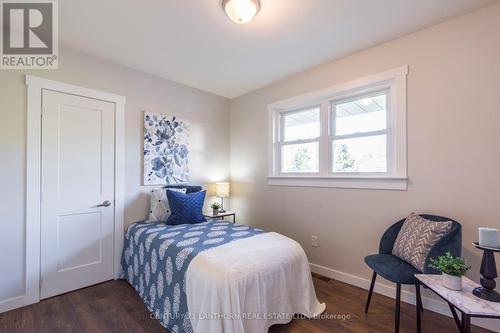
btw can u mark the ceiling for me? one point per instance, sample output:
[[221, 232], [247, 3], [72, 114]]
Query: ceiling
[[193, 42]]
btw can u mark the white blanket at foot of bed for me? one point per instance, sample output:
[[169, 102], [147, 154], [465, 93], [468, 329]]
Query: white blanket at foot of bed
[[250, 284]]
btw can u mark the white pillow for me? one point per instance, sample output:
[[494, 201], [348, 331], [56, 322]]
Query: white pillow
[[160, 210]]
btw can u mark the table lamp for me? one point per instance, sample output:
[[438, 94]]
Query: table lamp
[[222, 191]]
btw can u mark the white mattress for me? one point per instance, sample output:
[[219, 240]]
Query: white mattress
[[250, 284]]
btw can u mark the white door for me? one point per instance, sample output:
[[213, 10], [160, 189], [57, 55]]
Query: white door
[[77, 192]]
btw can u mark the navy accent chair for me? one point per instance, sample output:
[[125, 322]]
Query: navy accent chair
[[400, 272], [189, 188]]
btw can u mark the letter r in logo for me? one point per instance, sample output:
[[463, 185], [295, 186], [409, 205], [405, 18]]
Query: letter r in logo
[[27, 27]]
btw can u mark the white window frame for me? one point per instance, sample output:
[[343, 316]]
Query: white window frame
[[388, 131], [394, 83], [282, 142]]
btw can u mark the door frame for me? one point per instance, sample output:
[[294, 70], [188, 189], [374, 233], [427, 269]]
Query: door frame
[[35, 87]]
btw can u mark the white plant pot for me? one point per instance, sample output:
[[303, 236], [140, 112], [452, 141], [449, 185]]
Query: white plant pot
[[452, 282]]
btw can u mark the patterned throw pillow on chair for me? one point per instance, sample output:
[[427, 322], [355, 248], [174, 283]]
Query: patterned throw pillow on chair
[[160, 209], [416, 238]]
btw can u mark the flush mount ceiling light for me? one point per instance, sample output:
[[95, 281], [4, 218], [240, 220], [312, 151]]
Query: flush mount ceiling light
[[241, 11]]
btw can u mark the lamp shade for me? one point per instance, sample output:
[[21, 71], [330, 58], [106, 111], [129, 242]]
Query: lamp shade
[[222, 190]]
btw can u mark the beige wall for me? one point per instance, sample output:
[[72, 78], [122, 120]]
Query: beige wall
[[453, 150], [453, 146], [208, 114]]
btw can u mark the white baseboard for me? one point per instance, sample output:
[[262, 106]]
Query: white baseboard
[[406, 296], [13, 303]]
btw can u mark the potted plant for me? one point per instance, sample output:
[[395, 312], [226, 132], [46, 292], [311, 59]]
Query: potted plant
[[452, 268], [215, 207]]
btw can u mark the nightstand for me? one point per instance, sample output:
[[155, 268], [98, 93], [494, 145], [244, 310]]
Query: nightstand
[[220, 216]]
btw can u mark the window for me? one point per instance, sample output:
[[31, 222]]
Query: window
[[352, 135], [300, 141], [359, 134]]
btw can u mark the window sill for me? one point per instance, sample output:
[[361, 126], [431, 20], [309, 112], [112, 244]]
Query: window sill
[[357, 182]]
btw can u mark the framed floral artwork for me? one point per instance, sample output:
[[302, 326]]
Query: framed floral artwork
[[166, 150]]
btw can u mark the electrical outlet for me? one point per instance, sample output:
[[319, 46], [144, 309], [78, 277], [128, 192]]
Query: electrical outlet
[[314, 241]]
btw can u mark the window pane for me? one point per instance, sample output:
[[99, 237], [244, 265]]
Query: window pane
[[366, 154], [301, 125], [300, 157], [365, 114]]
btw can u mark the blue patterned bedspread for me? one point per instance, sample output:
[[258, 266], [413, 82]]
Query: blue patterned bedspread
[[156, 257]]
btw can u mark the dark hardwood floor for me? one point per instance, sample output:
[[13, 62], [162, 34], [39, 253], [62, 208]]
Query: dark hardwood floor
[[115, 307]]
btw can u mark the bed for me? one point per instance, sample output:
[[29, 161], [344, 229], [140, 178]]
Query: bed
[[216, 276]]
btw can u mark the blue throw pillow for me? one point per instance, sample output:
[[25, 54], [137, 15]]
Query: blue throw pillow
[[185, 208]]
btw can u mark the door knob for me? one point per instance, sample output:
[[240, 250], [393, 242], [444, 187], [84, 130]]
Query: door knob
[[106, 203]]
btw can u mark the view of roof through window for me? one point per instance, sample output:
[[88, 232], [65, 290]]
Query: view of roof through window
[[302, 125], [366, 114]]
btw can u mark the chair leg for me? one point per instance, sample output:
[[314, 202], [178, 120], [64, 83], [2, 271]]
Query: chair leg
[[398, 307], [419, 297], [370, 292], [419, 309]]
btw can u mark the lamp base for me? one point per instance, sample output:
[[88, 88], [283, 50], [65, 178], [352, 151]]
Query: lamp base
[[222, 210], [487, 294]]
